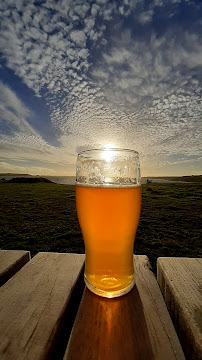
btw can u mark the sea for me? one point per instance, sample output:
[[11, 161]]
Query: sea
[[66, 180], [70, 180]]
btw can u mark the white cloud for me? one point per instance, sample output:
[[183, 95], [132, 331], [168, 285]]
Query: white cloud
[[94, 9], [145, 17], [13, 112], [7, 167], [81, 10], [78, 37], [33, 149], [125, 89], [150, 68], [89, 22]]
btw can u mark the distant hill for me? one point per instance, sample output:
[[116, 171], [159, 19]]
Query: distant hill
[[13, 174], [29, 180], [191, 178]]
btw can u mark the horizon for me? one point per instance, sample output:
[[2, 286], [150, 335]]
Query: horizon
[[80, 75], [42, 175]]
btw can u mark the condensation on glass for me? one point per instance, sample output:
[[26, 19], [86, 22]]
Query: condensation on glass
[[115, 167]]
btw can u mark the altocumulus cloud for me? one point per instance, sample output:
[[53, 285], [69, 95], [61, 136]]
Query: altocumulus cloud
[[126, 73], [13, 111]]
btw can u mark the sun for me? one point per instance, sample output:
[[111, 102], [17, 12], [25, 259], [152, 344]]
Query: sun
[[108, 152], [108, 146]]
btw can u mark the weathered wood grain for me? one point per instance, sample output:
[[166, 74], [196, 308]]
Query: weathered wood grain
[[134, 326], [10, 262], [34, 303], [180, 280]]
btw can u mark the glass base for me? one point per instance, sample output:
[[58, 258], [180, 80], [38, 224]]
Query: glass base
[[109, 294]]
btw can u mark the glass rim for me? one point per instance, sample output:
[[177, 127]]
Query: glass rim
[[86, 152]]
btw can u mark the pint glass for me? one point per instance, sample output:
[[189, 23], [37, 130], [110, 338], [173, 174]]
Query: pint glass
[[108, 201]]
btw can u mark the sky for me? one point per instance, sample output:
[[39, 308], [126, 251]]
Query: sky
[[77, 75]]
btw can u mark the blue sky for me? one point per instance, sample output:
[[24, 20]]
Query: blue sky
[[79, 74]]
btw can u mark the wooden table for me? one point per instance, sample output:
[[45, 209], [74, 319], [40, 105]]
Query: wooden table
[[180, 280], [10, 262], [47, 313]]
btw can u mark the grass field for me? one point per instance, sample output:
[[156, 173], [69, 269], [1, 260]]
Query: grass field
[[42, 217]]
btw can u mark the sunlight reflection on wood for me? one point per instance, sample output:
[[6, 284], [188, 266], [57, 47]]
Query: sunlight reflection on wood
[[117, 330]]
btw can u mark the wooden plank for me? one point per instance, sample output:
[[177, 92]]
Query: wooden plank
[[34, 305], [10, 262], [165, 343], [134, 326], [180, 280]]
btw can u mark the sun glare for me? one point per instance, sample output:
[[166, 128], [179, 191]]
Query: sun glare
[[108, 154], [108, 146]]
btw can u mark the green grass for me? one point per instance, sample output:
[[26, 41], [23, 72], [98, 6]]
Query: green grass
[[171, 221], [42, 217], [39, 217]]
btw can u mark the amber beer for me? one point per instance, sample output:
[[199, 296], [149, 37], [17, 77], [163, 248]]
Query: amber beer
[[108, 217]]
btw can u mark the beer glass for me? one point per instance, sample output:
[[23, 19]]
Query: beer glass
[[108, 201]]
